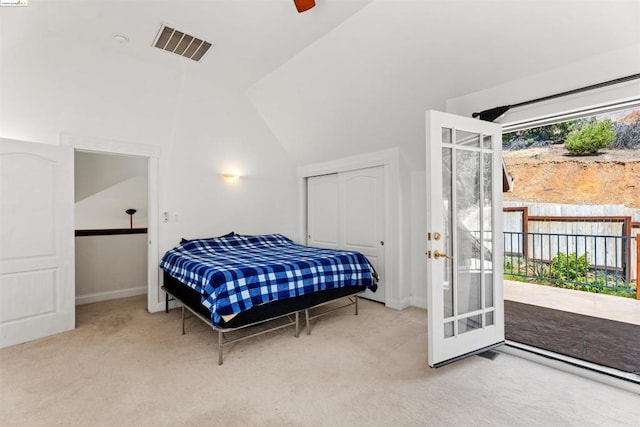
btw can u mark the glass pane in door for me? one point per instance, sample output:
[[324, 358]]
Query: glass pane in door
[[487, 141], [469, 139], [487, 235], [488, 318], [468, 234], [447, 185], [446, 135], [448, 329], [469, 324]]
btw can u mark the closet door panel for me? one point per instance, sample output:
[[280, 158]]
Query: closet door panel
[[322, 211], [360, 215], [362, 222], [346, 211]]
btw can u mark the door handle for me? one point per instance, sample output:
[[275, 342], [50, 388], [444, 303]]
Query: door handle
[[437, 254]]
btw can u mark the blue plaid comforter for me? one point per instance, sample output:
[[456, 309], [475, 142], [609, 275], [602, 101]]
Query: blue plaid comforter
[[236, 273]]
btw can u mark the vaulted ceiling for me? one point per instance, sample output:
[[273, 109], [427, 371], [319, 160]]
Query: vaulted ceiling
[[345, 77], [251, 37]]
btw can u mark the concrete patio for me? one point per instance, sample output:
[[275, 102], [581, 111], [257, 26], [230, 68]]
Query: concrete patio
[[586, 303]]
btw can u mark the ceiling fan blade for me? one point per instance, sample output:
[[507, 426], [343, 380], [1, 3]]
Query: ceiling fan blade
[[304, 5]]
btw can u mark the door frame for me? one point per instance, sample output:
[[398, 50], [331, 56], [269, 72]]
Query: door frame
[[152, 153], [390, 160]]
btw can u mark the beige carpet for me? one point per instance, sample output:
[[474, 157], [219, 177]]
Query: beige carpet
[[123, 366]]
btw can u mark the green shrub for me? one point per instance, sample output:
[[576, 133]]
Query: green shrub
[[570, 267], [591, 137]]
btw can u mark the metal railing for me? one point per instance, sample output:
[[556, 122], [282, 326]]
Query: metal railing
[[577, 260]]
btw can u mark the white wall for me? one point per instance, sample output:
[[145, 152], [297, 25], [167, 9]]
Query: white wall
[[106, 209], [109, 267], [219, 131], [418, 239], [105, 187], [95, 172], [595, 69], [201, 129]]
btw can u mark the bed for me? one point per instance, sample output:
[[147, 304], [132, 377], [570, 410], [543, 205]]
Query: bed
[[235, 281]]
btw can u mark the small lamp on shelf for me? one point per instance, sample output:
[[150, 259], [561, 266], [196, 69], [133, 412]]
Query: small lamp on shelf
[[130, 212]]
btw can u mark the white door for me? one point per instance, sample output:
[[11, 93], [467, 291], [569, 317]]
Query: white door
[[362, 219], [322, 211], [345, 210], [37, 292], [464, 229]]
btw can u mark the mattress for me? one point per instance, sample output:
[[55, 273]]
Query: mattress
[[258, 313], [233, 274]]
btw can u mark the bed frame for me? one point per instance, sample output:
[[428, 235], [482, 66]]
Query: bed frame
[[289, 309]]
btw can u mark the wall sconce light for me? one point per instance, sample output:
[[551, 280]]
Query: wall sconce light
[[230, 178]]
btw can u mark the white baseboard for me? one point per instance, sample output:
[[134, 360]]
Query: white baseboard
[[109, 295], [398, 304], [419, 302], [156, 308], [405, 302]]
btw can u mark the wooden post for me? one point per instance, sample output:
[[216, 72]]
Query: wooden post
[[525, 231], [524, 210], [626, 249]]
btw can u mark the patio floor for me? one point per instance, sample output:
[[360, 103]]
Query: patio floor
[[601, 329], [587, 303]]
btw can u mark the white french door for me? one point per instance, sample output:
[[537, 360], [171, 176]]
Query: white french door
[[464, 236], [37, 291]]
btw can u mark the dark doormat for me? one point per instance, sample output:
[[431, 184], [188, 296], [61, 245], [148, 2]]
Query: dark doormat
[[605, 342]]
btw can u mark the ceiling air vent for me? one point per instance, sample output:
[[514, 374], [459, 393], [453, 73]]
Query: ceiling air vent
[[182, 44]]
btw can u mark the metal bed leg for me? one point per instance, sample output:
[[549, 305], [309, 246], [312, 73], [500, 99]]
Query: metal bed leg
[[166, 302], [297, 324], [183, 320], [306, 314], [356, 305], [219, 348]]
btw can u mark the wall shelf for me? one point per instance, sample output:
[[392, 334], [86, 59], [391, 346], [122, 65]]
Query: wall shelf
[[110, 231]]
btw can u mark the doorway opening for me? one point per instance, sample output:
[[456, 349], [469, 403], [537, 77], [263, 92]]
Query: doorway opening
[[151, 156], [571, 238], [111, 219]]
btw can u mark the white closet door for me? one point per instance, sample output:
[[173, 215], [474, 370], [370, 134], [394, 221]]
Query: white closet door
[[37, 292], [346, 211], [362, 222], [322, 211]]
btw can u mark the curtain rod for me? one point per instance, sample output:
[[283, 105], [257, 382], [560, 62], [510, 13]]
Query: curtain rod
[[494, 113]]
